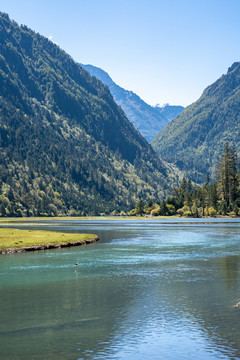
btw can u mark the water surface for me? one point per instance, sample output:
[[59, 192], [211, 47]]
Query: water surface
[[148, 290]]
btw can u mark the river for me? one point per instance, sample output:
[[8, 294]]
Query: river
[[150, 289]]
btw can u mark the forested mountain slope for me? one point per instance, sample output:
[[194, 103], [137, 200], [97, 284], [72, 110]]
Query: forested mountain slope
[[196, 138], [148, 120], [66, 147]]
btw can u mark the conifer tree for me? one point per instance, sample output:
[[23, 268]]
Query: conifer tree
[[233, 178], [223, 179], [140, 207], [227, 184]]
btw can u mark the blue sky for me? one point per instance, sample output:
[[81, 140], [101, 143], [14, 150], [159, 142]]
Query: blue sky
[[165, 51]]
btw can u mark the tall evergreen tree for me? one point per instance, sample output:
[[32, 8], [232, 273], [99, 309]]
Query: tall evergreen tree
[[223, 179], [227, 183], [140, 207], [233, 177]]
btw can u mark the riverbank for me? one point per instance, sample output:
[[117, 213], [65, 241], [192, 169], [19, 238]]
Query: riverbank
[[15, 240], [44, 220]]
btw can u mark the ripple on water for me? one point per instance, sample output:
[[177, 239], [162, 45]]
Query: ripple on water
[[147, 290]]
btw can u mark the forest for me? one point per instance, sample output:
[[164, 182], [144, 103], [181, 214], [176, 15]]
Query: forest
[[66, 147], [203, 128], [218, 198]]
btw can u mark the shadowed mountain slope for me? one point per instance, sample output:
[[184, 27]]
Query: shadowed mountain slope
[[66, 147]]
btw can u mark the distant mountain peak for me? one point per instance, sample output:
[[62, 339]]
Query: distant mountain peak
[[148, 120], [162, 106], [234, 66]]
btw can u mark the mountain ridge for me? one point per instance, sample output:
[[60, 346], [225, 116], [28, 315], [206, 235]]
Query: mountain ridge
[[66, 147], [196, 138], [148, 120]]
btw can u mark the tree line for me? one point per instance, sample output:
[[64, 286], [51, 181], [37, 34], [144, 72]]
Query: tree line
[[66, 148], [221, 197]]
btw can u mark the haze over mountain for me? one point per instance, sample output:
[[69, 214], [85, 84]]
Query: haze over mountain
[[66, 147], [196, 138], [148, 120]]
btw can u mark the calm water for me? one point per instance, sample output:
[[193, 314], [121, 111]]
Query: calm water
[[149, 290]]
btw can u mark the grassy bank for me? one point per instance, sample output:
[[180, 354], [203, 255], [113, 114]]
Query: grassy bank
[[16, 240], [19, 220], [45, 218]]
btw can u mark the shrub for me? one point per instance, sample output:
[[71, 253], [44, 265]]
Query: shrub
[[156, 212], [171, 209], [187, 213], [212, 211]]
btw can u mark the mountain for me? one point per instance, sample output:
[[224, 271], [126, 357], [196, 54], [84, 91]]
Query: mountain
[[169, 112], [196, 138], [66, 147], [148, 120]]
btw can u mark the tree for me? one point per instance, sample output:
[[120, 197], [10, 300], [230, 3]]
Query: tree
[[233, 178], [227, 183], [140, 207], [163, 208]]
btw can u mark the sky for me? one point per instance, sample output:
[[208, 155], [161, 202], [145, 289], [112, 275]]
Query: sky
[[166, 51]]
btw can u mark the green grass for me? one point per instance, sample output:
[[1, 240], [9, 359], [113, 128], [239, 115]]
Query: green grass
[[15, 238], [44, 218], [108, 217]]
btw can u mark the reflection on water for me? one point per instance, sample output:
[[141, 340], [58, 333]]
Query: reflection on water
[[147, 290]]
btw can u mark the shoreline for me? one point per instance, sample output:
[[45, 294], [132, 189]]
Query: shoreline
[[20, 240], [15, 220], [48, 246]]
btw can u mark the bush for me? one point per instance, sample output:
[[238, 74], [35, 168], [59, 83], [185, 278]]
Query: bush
[[132, 212], [187, 213], [212, 211], [156, 212], [171, 209], [184, 211]]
